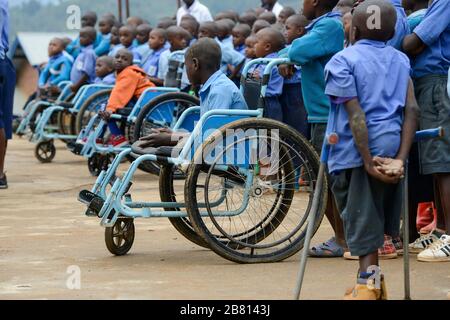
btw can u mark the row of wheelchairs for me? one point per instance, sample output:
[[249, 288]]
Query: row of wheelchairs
[[232, 187]]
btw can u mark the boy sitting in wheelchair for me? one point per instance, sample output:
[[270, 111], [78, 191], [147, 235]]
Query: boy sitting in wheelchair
[[203, 61], [131, 82]]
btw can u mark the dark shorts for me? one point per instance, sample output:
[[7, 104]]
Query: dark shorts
[[7, 86], [318, 132], [294, 112], [434, 103], [273, 108], [369, 209]]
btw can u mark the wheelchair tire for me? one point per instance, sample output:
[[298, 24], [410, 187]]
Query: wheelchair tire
[[167, 194], [277, 231], [142, 126], [66, 123], [99, 162], [120, 238], [88, 109], [45, 151]]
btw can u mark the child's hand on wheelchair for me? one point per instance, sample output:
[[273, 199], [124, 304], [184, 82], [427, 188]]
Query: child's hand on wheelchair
[[105, 115], [390, 167], [159, 137], [286, 71]]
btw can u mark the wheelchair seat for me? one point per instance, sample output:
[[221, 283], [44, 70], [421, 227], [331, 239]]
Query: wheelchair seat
[[124, 111]]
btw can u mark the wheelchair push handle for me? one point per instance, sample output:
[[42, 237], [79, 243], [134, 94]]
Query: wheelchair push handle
[[429, 134]]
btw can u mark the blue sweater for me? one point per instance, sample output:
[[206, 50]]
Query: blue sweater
[[57, 70]]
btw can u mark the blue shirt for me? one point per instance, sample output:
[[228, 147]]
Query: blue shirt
[[133, 49], [434, 30], [109, 79], [4, 28], [324, 38], [84, 64], [401, 26], [57, 69], [241, 49], [219, 92], [378, 75], [150, 62], [143, 50], [415, 18], [104, 45], [74, 48], [229, 56], [275, 86]]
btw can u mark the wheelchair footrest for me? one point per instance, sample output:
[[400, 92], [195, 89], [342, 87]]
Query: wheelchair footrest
[[75, 147]]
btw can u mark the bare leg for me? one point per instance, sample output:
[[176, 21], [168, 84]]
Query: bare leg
[[334, 218], [3, 144], [367, 261], [443, 188]]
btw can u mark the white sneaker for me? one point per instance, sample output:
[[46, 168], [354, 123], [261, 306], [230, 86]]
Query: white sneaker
[[424, 242], [439, 251]]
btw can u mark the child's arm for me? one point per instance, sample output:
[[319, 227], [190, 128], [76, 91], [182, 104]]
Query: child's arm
[[158, 82], [76, 86], [64, 75], [357, 121], [43, 77], [123, 91]]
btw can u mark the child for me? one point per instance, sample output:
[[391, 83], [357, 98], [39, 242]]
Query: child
[[134, 22], [150, 63], [142, 36], [58, 67], [270, 17], [401, 27], [250, 48], [178, 39], [131, 82], [240, 33], [224, 29], [115, 37], [190, 24], [325, 37], [105, 26], [83, 70], [105, 71], [369, 83], [285, 14], [89, 19], [293, 108], [248, 18], [127, 35], [268, 42], [347, 20], [259, 25], [203, 61], [418, 8]]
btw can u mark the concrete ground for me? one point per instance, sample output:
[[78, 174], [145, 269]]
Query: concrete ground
[[45, 239]]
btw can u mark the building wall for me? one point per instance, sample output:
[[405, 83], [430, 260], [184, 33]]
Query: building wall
[[27, 79]]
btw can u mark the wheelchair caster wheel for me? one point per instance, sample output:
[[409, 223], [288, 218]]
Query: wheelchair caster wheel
[[45, 151], [120, 237], [99, 162]]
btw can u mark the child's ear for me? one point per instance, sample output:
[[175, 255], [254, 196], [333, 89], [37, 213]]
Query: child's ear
[[196, 63], [315, 3]]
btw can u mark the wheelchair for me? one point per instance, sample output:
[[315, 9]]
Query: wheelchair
[[238, 198]]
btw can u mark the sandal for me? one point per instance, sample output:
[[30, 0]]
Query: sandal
[[328, 249]]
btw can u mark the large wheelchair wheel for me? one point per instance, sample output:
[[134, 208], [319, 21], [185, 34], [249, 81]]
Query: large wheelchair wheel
[[168, 194], [90, 108], [162, 111], [243, 186], [66, 123]]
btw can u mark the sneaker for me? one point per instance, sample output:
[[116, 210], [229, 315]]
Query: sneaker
[[367, 291], [386, 252], [3, 182], [439, 251], [424, 242], [398, 244], [118, 141]]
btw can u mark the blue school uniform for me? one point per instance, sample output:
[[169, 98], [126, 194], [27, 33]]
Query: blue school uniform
[[401, 26], [136, 56], [324, 38], [219, 92], [57, 70], [241, 49], [274, 89], [84, 64], [150, 62], [143, 50], [229, 56], [109, 79], [434, 31], [104, 45], [415, 18], [378, 75], [228, 41], [74, 48]]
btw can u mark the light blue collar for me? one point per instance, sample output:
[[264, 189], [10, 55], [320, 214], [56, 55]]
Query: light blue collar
[[210, 81], [373, 43]]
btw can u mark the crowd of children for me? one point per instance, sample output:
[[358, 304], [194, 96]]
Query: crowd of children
[[349, 78]]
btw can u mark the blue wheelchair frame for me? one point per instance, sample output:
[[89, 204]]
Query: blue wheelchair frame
[[213, 119]]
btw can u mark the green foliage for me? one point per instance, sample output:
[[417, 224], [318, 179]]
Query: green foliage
[[32, 15]]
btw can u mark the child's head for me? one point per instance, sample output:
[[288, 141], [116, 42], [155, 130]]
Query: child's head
[[240, 33], [143, 33], [166, 23], [295, 27], [157, 39], [55, 47], [268, 40], [178, 38], [347, 20], [248, 18], [345, 6], [312, 9], [104, 65], [259, 25], [190, 24], [105, 24], [115, 37], [89, 19], [250, 47], [270, 17], [122, 60], [66, 41], [135, 21], [224, 28], [285, 14], [361, 29], [87, 36], [202, 59], [207, 30], [127, 35]]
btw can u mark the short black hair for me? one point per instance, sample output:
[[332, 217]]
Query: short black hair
[[166, 23], [274, 36], [208, 53], [388, 15], [298, 20], [244, 29], [259, 25], [176, 31], [109, 61], [162, 32], [90, 31], [270, 17], [211, 25]]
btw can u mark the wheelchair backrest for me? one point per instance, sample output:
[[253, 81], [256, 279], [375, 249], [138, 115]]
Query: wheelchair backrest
[[175, 70], [147, 96], [252, 93], [86, 91]]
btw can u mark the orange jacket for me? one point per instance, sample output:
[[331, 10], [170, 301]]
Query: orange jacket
[[131, 82]]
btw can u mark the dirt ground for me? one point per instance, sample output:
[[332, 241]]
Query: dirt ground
[[44, 234]]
